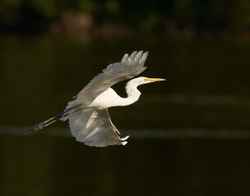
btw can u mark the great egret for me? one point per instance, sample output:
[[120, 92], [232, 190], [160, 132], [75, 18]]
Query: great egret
[[88, 114]]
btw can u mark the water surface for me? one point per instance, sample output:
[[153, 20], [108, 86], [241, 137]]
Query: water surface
[[189, 135], [42, 165]]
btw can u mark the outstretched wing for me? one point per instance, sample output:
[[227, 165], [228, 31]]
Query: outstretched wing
[[129, 67], [94, 127]]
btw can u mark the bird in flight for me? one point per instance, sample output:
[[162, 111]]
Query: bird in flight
[[88, 114]]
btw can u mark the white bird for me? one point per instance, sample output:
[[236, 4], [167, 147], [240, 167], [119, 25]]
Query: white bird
[[88, 114]]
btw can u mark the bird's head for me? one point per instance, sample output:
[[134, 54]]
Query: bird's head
[[146, 80]]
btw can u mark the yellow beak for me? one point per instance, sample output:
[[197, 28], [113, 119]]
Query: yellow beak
[[154, 79]]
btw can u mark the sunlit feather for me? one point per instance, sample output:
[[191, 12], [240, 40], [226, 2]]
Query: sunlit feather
[[88, 114]]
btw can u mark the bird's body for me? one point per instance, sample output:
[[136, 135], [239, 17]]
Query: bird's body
[[110, 98], [88, 114]]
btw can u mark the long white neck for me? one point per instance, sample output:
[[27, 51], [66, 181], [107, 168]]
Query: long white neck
[[110, 98], [132, 92]]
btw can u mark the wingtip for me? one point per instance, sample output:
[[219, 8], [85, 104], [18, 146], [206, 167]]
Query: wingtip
[[124, 142], [124, 58], [125, 138], [139, 54], [132, 56], [145, 55]]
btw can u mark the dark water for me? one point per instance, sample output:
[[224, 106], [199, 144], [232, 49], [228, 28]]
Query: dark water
[[41, 165], [207, 81], [202, 112]]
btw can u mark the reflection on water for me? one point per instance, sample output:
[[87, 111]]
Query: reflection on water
[[140, 134], [41, 165]]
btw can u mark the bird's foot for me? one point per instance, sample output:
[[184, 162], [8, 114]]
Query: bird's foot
[[36, 127]]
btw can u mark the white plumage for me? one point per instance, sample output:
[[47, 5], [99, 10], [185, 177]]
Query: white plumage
[[88, 114]]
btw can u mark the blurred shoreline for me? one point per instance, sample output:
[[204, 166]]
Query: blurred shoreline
[[138, 134], [81, 25]]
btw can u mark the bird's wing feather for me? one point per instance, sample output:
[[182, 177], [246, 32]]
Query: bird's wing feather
[[129, 67], [94, 127]]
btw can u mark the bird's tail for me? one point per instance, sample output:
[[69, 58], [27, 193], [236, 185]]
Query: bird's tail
[[46, 123]]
